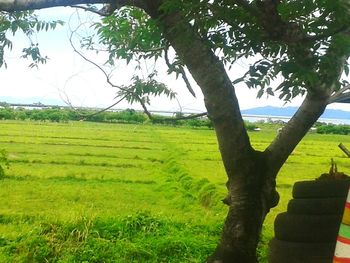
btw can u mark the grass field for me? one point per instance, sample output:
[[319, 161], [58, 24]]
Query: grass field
[[90, 192]]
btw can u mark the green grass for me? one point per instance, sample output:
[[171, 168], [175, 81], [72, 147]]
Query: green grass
[[93, 192]]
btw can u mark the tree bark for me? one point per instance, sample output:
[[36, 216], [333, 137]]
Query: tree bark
[[251, 193], [248, 207]]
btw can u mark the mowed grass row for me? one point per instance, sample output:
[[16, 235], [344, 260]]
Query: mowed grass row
[[128, 193]]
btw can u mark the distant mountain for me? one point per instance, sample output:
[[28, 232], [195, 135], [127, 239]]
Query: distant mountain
[[289, 111]]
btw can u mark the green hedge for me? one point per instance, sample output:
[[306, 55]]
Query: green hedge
[[57, 114], [333, 129]]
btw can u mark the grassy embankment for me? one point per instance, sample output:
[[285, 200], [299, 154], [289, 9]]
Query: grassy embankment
[[94, 192]]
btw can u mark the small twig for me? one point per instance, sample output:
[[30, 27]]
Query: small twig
[[185, 79], [139, 99], [67, 101], [103, 110], [181, 69], [155, 49]]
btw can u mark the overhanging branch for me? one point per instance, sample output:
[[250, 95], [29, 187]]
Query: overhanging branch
[[22, 5]]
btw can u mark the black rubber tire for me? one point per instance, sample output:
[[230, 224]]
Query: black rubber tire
[[321, 188], [307, 228], [321, 206], [297, 252]]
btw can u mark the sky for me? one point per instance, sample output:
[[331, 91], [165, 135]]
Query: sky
[[66, 76]]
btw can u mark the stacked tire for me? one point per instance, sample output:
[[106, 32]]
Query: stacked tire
[[307, 232]]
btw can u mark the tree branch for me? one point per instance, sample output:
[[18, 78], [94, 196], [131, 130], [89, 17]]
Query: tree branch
[[189, 117], [296, 128], [247, 6], [325, 35], [107, 9], [308, 113], [138, 98], [85, 116], [339, 94], [219, 94], [22, 5], [181, 69]]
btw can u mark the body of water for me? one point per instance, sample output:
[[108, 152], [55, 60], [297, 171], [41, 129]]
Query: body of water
[[257, 118]]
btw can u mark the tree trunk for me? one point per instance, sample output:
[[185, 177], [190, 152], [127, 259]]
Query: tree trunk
[[251, 192], [251, 195], [240, 234]]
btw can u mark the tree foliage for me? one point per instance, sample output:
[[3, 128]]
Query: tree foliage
[[130, 35], [304, 43], [28, 23], [140, 90]]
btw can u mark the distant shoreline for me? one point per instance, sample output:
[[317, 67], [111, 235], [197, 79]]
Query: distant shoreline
[[256, 118]]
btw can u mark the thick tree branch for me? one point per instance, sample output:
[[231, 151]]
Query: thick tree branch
[[22, 5], [296, 128], [267, 15], [266, 12], [326, 35], [308, 113], [220, 99], [339, 94]]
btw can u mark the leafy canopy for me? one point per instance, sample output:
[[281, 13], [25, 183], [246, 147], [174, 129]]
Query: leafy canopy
[[301, 41]]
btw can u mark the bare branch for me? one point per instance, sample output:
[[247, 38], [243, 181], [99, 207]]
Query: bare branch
[[182, 71], [188, 85], [138, 98], [85, 116], [189, 117], [105, 109]]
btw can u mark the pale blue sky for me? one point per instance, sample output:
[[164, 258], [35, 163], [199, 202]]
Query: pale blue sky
[[66, 74]]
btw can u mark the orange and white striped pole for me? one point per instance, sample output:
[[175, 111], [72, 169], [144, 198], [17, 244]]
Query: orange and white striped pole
[[342, 249]]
